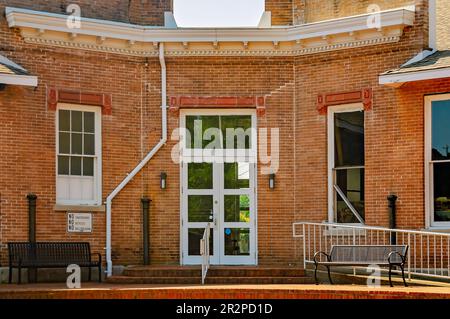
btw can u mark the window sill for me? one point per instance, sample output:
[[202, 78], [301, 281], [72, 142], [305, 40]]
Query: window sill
[[79, 208]]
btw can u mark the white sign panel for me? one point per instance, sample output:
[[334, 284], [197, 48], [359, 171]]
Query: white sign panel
[[79, 222]]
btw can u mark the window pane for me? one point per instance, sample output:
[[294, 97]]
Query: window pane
[[200, 175], [237, 208], [75, 166], [236, 133], [63, 165], [77, 121], [197, 126], [349, 139], [77, 144], [64, 120], [351, 182], [194, 237], [89, 122], [441, 192], [89, 144], [237, 175], [88, 166], [237, 241], [64, 143], [441, 130], [200, 208]]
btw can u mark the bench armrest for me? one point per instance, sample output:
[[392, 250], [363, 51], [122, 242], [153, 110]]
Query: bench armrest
[[398, 254], [99, 258], [317, 255]]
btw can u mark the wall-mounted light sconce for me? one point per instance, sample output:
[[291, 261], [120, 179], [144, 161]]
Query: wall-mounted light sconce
[[163, 180], [272, 181]]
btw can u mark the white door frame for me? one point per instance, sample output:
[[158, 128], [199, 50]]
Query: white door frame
[[218, 193]]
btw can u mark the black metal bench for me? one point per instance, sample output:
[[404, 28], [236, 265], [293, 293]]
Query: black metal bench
[[363, 255], [51, 255]]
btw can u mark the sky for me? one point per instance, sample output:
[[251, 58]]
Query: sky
[[218, 13]]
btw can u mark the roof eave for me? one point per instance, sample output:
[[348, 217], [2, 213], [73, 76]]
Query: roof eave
[[14, 79], [398, 79]]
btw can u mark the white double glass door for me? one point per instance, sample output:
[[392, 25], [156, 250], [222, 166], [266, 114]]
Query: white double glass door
[[219, 191]]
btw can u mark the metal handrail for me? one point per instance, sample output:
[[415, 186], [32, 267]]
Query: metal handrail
[[204, 252], [428, 253]]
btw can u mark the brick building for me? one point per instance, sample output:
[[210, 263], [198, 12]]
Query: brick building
[[84, 127]]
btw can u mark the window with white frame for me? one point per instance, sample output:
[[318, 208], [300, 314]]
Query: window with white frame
[[78, 148], [437, 157], [346, 164]]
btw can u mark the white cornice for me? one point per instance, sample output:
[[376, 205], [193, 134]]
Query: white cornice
[[122, 38]]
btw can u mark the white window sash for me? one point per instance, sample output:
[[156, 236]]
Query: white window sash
[[429, 163], [331, 111], [97, 178]]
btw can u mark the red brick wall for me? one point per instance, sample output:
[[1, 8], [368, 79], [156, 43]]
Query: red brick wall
[[291, 85], [282, 13], [145, 12]]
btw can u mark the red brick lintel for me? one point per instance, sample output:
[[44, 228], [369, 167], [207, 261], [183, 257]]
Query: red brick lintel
[[55, 96], [363, 96], [225, 102]]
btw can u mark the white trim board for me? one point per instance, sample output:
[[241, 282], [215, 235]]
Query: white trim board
[[14, 79], [397, 80], [50, 28]]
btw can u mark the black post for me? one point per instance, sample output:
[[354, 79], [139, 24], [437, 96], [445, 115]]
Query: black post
[[32, 273], [392, 199], [146, 228]]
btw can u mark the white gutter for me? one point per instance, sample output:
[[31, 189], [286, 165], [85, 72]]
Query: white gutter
[[141, 165]]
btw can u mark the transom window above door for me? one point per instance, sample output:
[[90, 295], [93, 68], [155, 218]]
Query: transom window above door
[[437, 156], [219, 131]]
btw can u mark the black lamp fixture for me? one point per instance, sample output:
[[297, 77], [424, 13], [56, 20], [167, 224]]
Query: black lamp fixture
[[272, 181], [163, 180]]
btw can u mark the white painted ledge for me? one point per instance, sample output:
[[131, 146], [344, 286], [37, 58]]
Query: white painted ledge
[[101, 35], [398, 79], [25, 80]]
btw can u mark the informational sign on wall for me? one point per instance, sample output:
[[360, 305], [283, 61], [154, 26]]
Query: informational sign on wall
[[79, 222]]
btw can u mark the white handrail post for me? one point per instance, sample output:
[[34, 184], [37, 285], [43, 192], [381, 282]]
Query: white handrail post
[[304, 246], [409, 256]]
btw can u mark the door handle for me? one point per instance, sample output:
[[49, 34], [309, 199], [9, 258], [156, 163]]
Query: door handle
[[213, 219]]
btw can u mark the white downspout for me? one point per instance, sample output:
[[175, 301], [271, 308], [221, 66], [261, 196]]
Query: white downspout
[[141, 165]]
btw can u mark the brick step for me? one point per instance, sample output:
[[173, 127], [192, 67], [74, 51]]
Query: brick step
[[162, 272], [126, 280], [209, 280], [213, 272], [259, 280], [255, 272]]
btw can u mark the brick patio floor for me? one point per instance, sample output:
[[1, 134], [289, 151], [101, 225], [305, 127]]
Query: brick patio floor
[[110, 291]]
